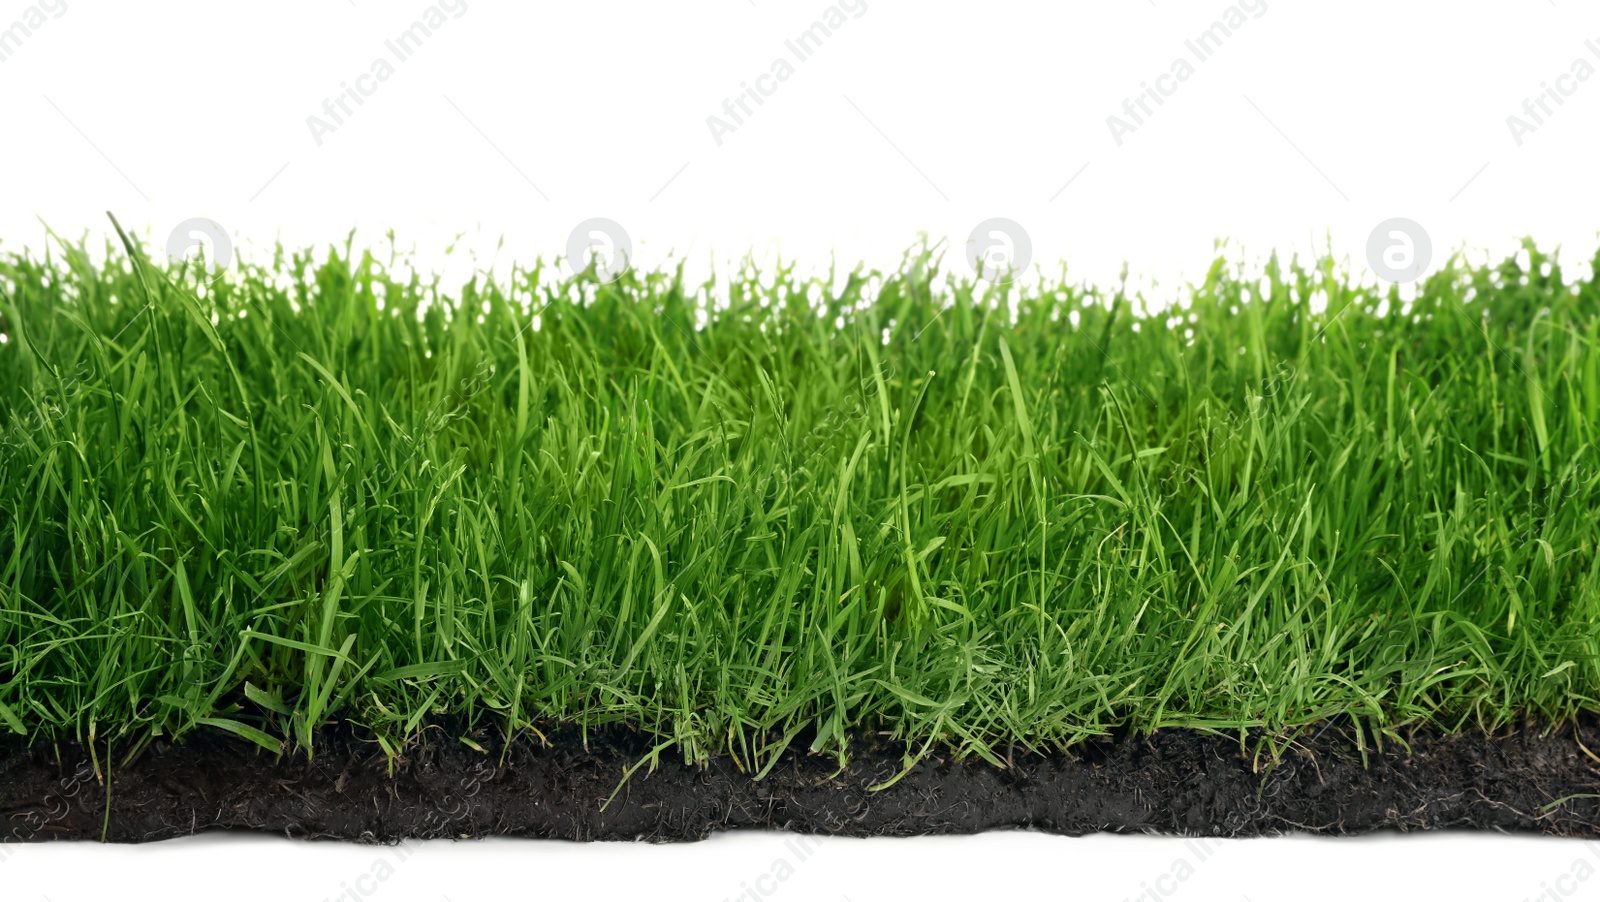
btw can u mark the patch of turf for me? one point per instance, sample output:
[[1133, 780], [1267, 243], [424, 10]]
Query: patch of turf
[[902, 502]]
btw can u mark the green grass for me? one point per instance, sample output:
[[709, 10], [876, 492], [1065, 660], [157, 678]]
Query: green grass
[[962, 514]]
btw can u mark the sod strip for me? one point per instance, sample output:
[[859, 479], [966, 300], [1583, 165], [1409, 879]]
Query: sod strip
[[901, 517]]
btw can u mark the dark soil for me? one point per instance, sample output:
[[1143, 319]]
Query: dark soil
[[1174, 781]]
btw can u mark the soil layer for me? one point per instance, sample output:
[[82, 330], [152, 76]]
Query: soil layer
[[1173, 781]]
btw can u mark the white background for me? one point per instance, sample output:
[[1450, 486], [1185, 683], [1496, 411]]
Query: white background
[[513, 122]]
